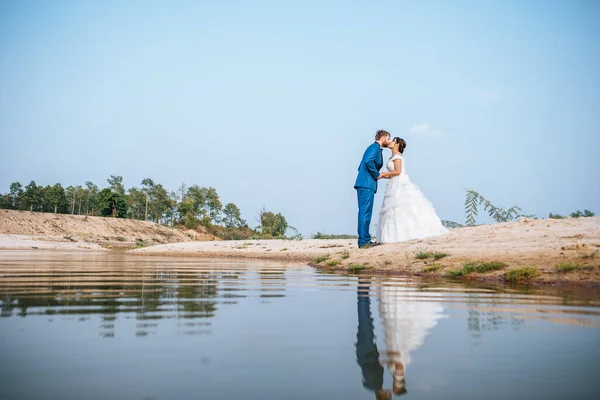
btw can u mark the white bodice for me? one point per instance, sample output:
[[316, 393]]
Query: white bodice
[[390, 164]]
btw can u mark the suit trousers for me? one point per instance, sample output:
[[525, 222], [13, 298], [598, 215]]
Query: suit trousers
[[365, 211]]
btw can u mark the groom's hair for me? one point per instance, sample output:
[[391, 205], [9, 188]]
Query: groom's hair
[[381, 133]]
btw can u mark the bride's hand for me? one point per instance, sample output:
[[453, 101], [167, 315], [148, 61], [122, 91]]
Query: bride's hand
[[380, 176]]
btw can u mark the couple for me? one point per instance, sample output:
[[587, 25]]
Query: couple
[[406, 213]]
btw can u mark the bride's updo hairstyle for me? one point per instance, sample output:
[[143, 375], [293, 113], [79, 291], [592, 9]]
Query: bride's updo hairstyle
[[401, 144]]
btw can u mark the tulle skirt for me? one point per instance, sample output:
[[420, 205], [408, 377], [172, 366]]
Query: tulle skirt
[[406, 214]]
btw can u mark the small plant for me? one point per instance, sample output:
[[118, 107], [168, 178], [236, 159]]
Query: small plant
[[320, 259], [592, 255], [490, 266], [520, 274], [471, 267], [345, 254], [332, 263], [69, 238], [120, 238], [330, 246], [571, 266], [357, 267], [556, 216], [438, 254], [139, 242], [454, 273], [432, 268], [499, 214], [451, 224], [423, 254], [284, 249], [387, 263]]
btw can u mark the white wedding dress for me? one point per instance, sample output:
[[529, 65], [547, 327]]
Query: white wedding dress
[[405, 213]]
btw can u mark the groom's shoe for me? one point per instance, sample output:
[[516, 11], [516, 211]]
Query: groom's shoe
[[375, 243]]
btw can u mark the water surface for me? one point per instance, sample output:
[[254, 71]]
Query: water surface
[[98, 326]]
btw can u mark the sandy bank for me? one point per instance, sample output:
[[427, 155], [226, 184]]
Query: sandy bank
[[21, 242], [542, 244], [108, 232]]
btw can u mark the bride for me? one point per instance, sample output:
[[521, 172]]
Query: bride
[[406, 213]]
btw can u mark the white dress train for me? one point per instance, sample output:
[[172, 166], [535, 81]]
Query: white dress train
[[406, 214]]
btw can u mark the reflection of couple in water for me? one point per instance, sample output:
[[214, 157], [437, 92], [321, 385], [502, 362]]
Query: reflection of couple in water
[[406, 322]]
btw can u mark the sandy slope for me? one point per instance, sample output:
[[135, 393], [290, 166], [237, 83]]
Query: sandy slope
[[59, 228]]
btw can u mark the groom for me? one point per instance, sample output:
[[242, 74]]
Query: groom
[[366, 186]]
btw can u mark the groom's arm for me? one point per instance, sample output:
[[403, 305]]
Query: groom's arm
[[369, 160]]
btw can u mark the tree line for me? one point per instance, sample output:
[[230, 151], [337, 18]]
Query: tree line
[[189, 206]]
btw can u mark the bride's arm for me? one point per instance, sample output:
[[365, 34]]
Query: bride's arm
[[397, 169]]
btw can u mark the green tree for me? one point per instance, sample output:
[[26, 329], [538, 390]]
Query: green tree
[[136, 203], [32, 197], [116, 184], [91, 191], [272, 224], [232, 217], [213, 205], [56, 199], [112, 204], [16, 196]]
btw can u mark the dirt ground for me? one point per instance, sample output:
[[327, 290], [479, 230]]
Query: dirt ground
[[82, 230]]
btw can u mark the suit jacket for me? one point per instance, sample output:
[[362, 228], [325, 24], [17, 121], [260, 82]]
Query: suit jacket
[[368, 170]]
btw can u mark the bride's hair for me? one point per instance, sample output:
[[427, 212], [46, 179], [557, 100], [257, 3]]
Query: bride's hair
[[401, 144]]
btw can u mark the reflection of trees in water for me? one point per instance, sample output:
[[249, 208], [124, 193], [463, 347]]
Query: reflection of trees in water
[[149, 294], [272, 282]]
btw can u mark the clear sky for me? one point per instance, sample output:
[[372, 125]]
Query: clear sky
[[273, 102]]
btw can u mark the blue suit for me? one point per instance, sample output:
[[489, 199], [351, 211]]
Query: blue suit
[[366, 187]]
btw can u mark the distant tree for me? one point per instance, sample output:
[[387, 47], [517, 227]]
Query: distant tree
[[147, 189], [159, 203], [213, 205], [91, 191], [16, 196], [56, 198], [272, 224], [112, 204], [232, 217], [585, 213], [116, 184], [136, 203], [5, 201], [32, 197]]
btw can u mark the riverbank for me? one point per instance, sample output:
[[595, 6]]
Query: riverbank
[[26, 229], [548, 251]]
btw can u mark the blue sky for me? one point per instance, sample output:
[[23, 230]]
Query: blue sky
[[273, 103]]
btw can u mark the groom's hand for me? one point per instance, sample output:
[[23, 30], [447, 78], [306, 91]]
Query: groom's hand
[[380, 176]]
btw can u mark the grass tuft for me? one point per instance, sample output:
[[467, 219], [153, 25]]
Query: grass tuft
[[439, 254], [571, 266], [320, 259], [345, 254], [423, 254], [432, 268], [332, 263], [357, 267], [520, 274], [471, 267]]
